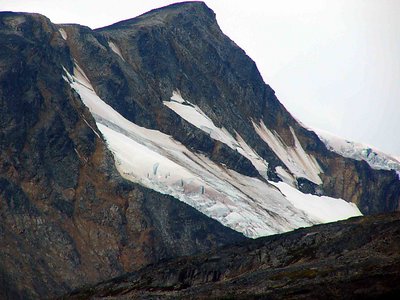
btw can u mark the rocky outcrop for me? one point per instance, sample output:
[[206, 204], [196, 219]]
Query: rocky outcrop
[[322, 262], [67, 216]]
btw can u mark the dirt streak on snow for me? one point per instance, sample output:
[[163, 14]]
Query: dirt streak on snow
[[300, 163]]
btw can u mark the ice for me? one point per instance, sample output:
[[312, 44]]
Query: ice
[[155, 160], [116, 49], [138, 161], [322, 208], [374, 157], [295, 158]]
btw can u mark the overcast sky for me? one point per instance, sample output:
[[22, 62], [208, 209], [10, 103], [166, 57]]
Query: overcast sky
[[335, 65]]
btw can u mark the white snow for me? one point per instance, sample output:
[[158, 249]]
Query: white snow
[[295, 158], [116, 49], [257, 161], [194, 115], [322, 208], [374, 157], [285, 176], [176, 96], [155, 160], [63, 33]]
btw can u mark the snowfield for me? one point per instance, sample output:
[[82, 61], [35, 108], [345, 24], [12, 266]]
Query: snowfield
[[155, 160]]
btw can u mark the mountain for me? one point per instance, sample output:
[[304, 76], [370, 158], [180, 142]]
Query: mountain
[[67, 216], [152, 138], [334, 265]]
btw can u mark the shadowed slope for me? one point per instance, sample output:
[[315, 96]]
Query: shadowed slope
[[353, 259]]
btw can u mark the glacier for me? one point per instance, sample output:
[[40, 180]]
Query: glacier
[[374, 157], [253, 206]]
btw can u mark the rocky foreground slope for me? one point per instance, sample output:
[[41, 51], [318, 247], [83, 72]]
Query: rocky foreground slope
[[78, 209], [353, 259]]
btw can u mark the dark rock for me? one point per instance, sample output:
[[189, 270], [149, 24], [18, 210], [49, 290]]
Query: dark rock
[[353, 259], [308, 187]]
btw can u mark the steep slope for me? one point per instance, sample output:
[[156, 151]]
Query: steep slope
[[156, 160], [66, 216], [322, 262]]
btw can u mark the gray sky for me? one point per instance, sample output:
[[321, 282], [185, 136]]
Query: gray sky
[[335, 65]]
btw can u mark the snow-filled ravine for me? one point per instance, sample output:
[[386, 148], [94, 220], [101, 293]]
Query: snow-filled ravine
[[155, 160]]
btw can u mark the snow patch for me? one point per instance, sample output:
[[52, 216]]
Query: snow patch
[[87, 123], [358, 151], [116, 49], [295, 158], [322, 208], [257, 161], [176, 96], [63, 33], [194, 115], [285, 176]]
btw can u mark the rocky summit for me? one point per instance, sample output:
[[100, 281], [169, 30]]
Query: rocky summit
[[156, 138]]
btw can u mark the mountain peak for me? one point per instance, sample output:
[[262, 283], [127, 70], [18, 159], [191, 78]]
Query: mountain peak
[[20, 21], [163, 15]]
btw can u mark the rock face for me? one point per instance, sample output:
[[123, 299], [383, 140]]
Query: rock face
[[67, 216], [321, 262]]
